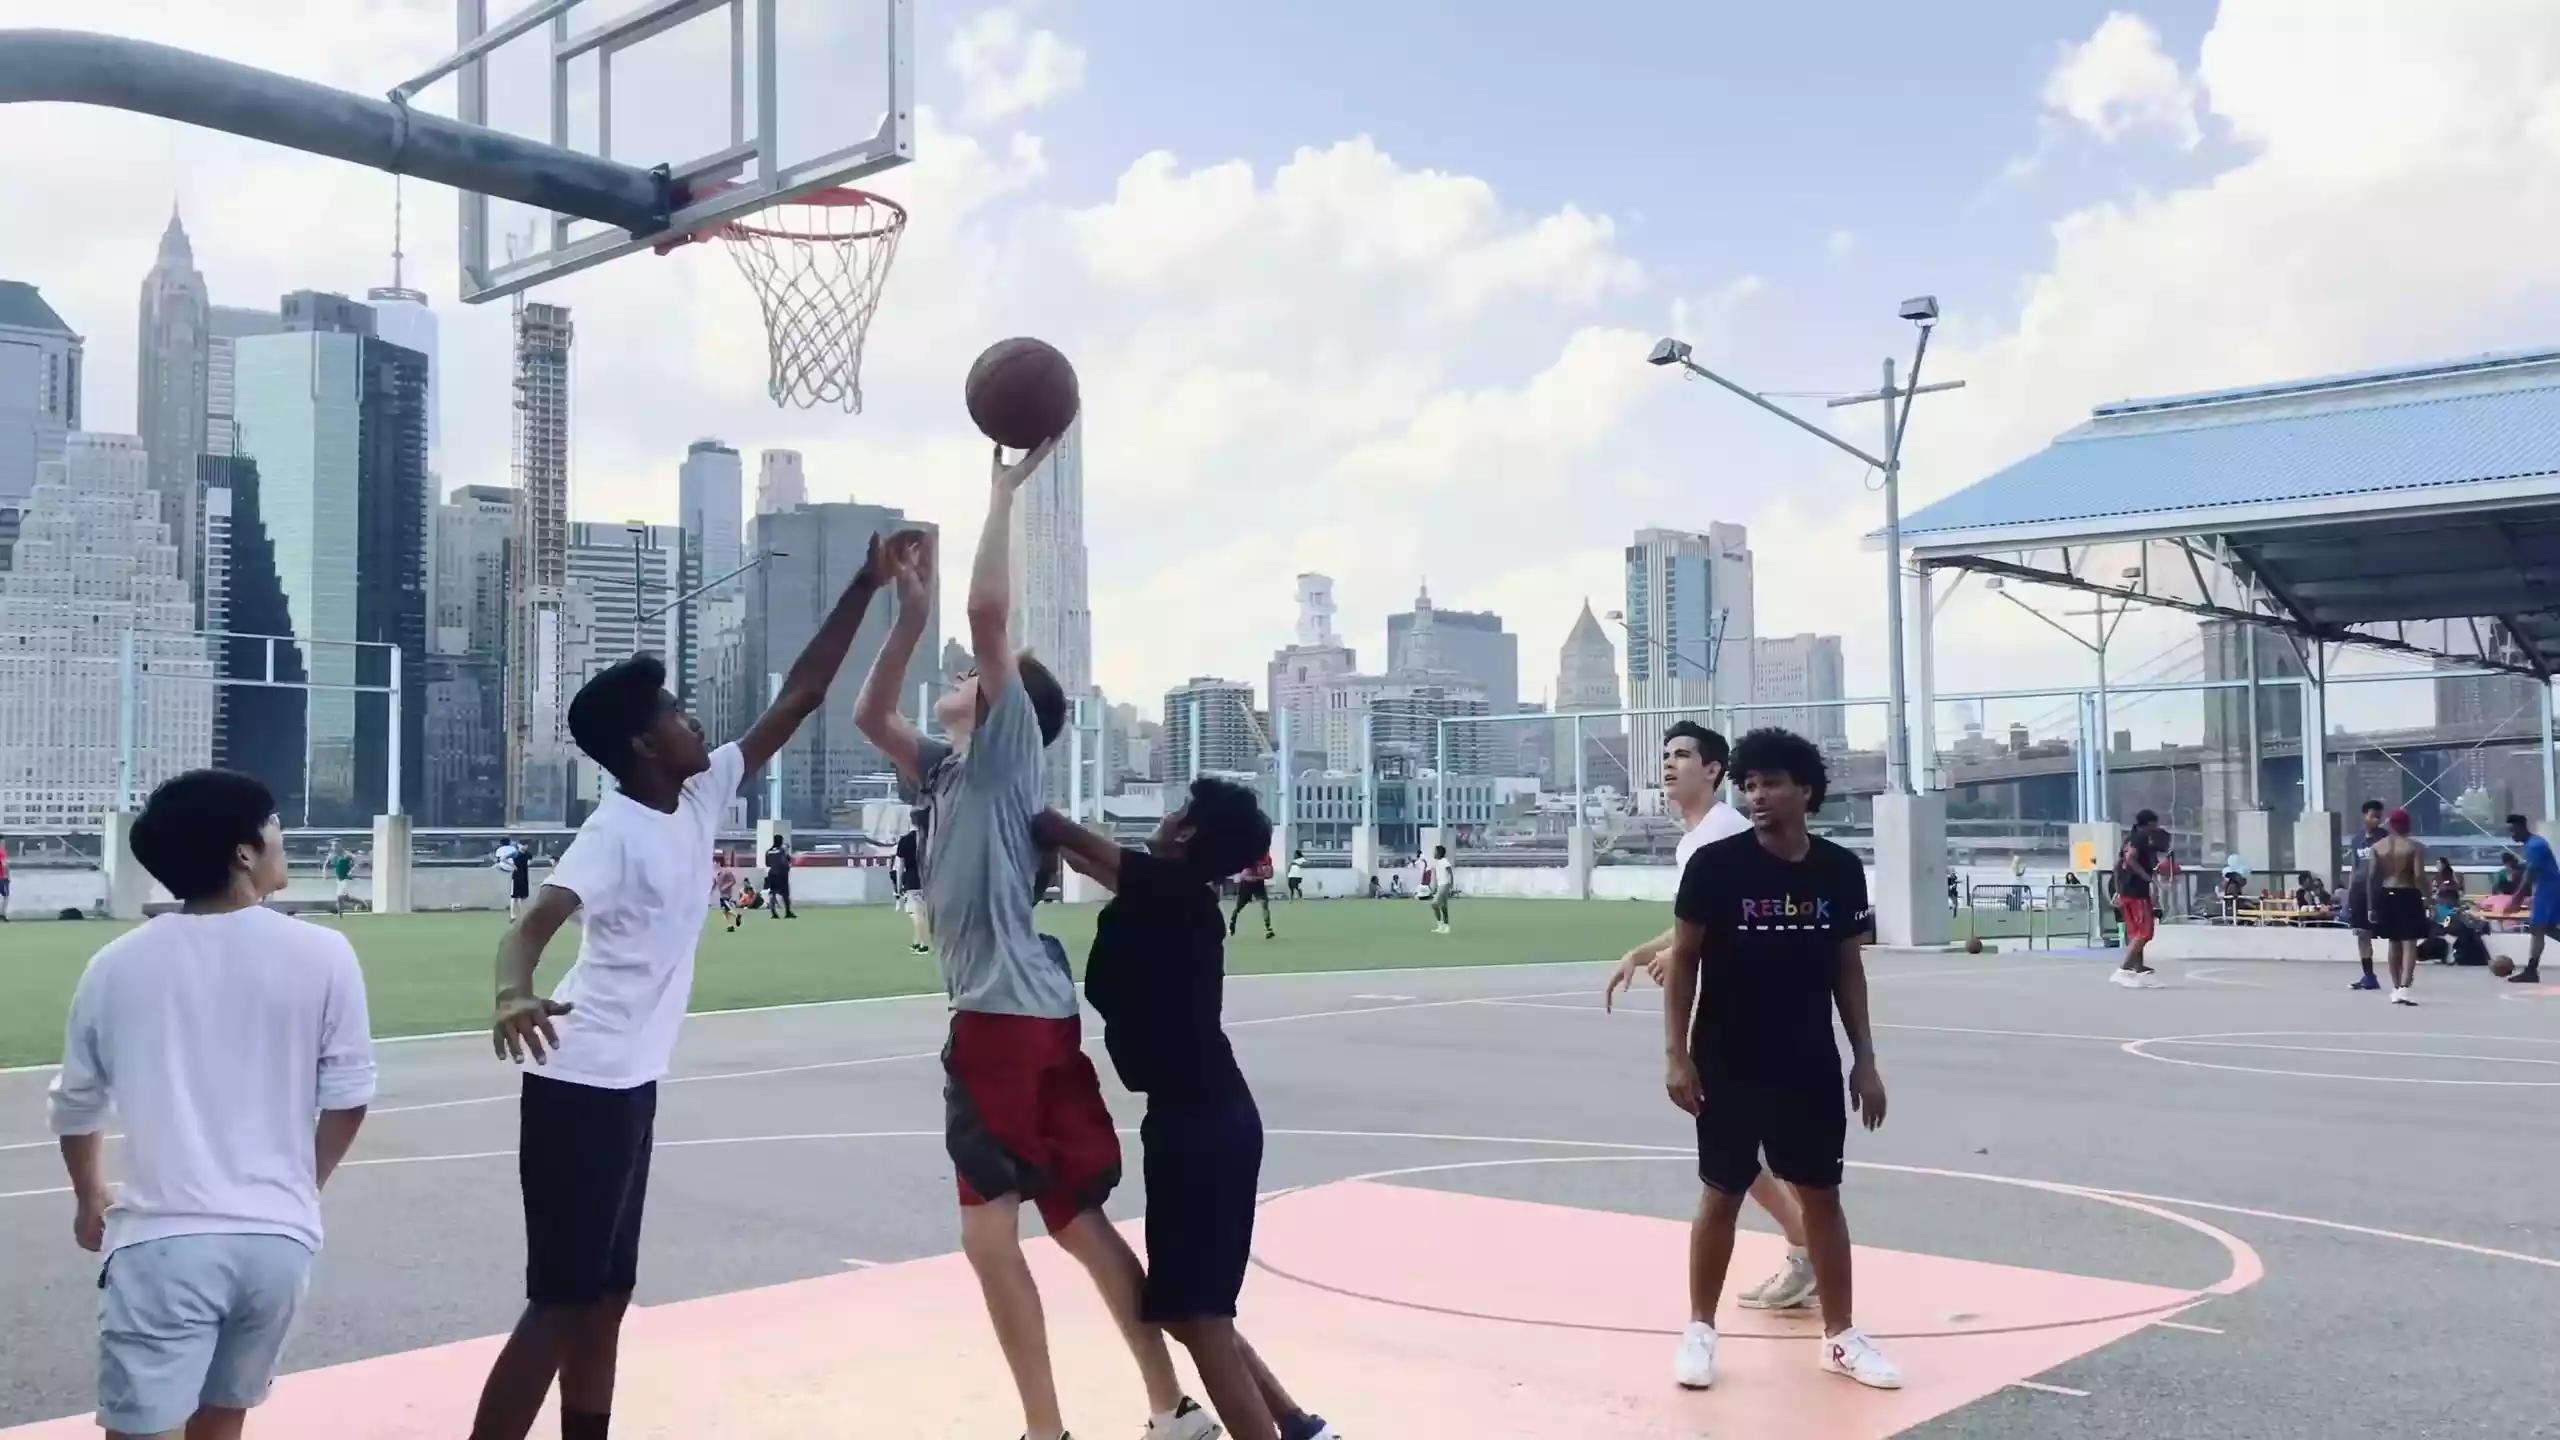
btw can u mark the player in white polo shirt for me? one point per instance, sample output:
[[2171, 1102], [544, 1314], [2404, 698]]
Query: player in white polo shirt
[[1693, 768], [635, 877]]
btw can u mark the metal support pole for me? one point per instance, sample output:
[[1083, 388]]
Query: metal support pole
[[126, 721], [2257, 764], [1897, 756], [1368, 775], [392, 768], [1287, 802], [1075, 759], [199, 90], [2550, 779], [1925, 643], [1440, 783], [2105, 809], [773, 767], [2315, 733], [1194, 726], [1581, 786]]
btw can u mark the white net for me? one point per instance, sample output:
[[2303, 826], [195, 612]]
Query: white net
[[818, 265]]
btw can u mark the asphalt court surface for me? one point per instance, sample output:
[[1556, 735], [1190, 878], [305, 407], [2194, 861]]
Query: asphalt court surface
[[2372, 1189]]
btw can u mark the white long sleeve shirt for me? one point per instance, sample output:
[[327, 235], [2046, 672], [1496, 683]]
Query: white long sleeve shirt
[[217, 1040]]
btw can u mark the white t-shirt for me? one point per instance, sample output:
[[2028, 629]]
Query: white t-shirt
[[217, 1040], [1720, 821], [639, 875]]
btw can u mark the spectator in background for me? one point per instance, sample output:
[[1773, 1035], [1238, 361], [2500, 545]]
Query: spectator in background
[[777, 879]]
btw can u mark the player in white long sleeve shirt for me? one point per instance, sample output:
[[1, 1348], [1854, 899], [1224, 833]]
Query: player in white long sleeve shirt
[[232, 1043]]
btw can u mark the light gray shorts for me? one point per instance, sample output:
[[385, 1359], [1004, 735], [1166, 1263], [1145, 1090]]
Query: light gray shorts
[[191, 1321]]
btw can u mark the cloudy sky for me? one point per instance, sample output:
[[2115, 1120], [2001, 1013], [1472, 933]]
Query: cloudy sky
[[1367, 288]]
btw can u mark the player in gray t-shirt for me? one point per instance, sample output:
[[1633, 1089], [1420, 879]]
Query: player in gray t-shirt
[[1024, 1117]]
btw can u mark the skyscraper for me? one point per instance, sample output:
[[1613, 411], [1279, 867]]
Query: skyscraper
[[711, 513], [828, 765], [401, 316], [1586, 679], [226, 326], [39, 389], [335, 418], [466, 727], [537, 704], [1471, 643], [1804, 671], [1230, 732], [1689, 618], [1299, 673], [618, 574], [96, 620], [1051, 616], [779, 484], [169, 393], [1403, 709], [260, 728]]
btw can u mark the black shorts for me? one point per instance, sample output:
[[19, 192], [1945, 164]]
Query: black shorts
[[2399, 914], [583, 1160], [2359, 909], [778, 882], [1203, 1167], [520, 881], [1248, 891], [1800, 1125]]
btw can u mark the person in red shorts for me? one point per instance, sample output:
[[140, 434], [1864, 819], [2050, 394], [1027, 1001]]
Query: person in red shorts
[[2137, 866], [1024, 1118]]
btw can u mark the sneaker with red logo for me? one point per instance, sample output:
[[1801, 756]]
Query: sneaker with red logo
[[1852, 1354]]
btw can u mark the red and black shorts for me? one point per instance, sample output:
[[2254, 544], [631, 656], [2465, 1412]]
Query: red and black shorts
[[1023, 1115], [2140, 919]]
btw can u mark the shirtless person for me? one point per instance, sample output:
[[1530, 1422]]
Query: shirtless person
[[2399, 901], [1693, 765]]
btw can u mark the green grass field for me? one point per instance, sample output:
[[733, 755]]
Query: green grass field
[[428, 973]]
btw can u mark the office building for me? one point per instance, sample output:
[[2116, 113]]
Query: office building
[[1403, 709], [1229, 734], [260, 727], [401, 316], [101, 649], [334, 417], [226, 326], [1689, 619], [1471, 643], [1299, 672], [1586, 679], [1804, 673], [621, 574], [711, 505], [780, 485], [1051, 615], [169, 393], [39, 389], [537, 704], [465, 696], [829, 769]]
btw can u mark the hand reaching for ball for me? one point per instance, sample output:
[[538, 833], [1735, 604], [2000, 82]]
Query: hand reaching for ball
[[1009, 477], [909, 555]]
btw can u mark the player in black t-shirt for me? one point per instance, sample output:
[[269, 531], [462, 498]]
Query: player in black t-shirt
[[1157, 975], [1768, 929], [2137, 866]]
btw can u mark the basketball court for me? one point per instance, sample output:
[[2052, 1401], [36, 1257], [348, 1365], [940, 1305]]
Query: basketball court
[[2253, 1203]]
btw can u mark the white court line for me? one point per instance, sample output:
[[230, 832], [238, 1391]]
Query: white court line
[[1509, 1004], [2210, 974], [2042, 1388], [2182, 1325], [2352, 1050]]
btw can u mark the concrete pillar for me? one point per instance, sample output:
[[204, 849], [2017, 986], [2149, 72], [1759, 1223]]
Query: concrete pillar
[[1911, 869], [2315, 847], [391, 865], [2253, 839], [2094, 848], [128, 885], [1577, 860], [1431, 836], [1364, 856]]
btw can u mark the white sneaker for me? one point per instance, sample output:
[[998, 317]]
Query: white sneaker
[[1790, 1289], [1695, 1366], [1189, 1422], [2402, 997], [1852, 1354]]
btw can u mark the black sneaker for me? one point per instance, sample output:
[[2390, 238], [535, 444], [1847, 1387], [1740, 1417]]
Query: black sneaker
[[2529, 975]]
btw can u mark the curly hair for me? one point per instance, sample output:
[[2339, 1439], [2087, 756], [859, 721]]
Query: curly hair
[[1783, 752]]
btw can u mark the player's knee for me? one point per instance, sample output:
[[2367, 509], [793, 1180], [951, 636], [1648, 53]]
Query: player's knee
[[1722, 1206], [1206, 1331], [991, 1234]]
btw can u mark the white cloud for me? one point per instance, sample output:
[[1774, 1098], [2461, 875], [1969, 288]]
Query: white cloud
[[1005, 68], [2119, 80], [1840, 244]]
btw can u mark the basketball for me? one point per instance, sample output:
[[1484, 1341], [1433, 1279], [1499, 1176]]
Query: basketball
[[2502, 967], [1973, 945], [1021, 392]]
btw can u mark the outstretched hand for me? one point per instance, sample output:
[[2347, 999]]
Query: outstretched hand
[[524, 1023], [909, 558], [1011, 476]]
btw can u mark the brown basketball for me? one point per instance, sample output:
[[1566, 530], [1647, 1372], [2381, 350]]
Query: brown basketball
[[2502, 967], [1021, 392], [1973, 945]]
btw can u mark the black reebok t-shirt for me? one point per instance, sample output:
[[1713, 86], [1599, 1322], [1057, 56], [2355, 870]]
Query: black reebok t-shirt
[[2135, 867], [1772, 954], [1157, 976]]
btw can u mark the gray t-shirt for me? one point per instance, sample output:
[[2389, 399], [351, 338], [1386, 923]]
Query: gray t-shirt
[[980, 867]]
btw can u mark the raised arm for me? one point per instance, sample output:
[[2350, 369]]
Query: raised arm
[[805, 684], [875, 711], [1092, 854], [990, 603]]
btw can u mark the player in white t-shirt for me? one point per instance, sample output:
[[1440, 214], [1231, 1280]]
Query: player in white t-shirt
[[1693, 768], [635, 876]]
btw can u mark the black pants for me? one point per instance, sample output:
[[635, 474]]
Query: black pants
[[1247, 893], [777, 895]]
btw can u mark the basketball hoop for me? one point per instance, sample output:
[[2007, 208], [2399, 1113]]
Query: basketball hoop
[[817, 265]]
